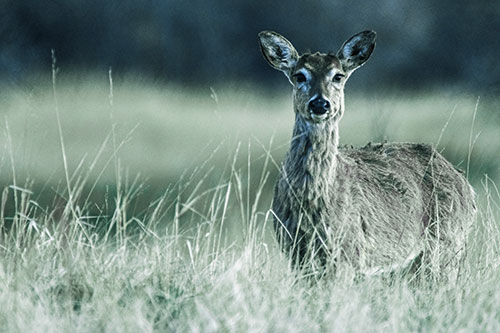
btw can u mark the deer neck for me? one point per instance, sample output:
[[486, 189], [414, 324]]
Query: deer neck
[[311, 162]]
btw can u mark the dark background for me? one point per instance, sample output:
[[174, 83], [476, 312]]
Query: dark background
[[421, 44]]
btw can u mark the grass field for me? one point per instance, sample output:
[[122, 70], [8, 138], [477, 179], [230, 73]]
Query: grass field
[[146, 208]]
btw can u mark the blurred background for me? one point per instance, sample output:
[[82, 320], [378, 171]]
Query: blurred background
[[420, 44], [189, 85]]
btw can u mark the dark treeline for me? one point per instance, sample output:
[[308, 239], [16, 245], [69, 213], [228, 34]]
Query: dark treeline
[[420, 43]]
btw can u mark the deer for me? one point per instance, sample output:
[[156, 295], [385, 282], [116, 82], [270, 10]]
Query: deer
[[381, 208]]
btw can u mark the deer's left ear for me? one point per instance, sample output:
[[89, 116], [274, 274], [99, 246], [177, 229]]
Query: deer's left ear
[[278, 51], [356, 50]]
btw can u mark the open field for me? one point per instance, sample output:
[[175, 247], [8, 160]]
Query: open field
[[148, 209]]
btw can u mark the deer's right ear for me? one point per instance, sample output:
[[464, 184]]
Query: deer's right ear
[[278, 51], [356, 50]]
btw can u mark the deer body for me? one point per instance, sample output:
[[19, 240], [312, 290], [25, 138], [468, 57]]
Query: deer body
[[378, 208]]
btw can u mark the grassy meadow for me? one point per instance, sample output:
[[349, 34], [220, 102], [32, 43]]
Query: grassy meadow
[[141, 207]]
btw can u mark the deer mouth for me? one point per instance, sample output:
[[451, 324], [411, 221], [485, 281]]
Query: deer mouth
[[317, 118]]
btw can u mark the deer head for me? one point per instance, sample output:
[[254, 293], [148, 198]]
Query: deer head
[[318, 79]]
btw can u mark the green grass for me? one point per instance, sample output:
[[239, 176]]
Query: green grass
[[187, 245]]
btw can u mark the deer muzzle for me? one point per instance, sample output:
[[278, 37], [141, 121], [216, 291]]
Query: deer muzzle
[[319, 108]]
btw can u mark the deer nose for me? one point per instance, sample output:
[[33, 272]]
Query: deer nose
[[319, 106]]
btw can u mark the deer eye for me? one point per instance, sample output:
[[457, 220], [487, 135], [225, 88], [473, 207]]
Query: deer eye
[[338, 77], [300, 78]]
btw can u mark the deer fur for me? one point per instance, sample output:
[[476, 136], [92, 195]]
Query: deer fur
[[379, 208]]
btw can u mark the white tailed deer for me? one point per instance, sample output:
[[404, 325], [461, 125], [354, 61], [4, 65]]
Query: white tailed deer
[[380, 208]]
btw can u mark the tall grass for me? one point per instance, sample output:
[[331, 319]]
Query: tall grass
[[201, 255], [71, 272]]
